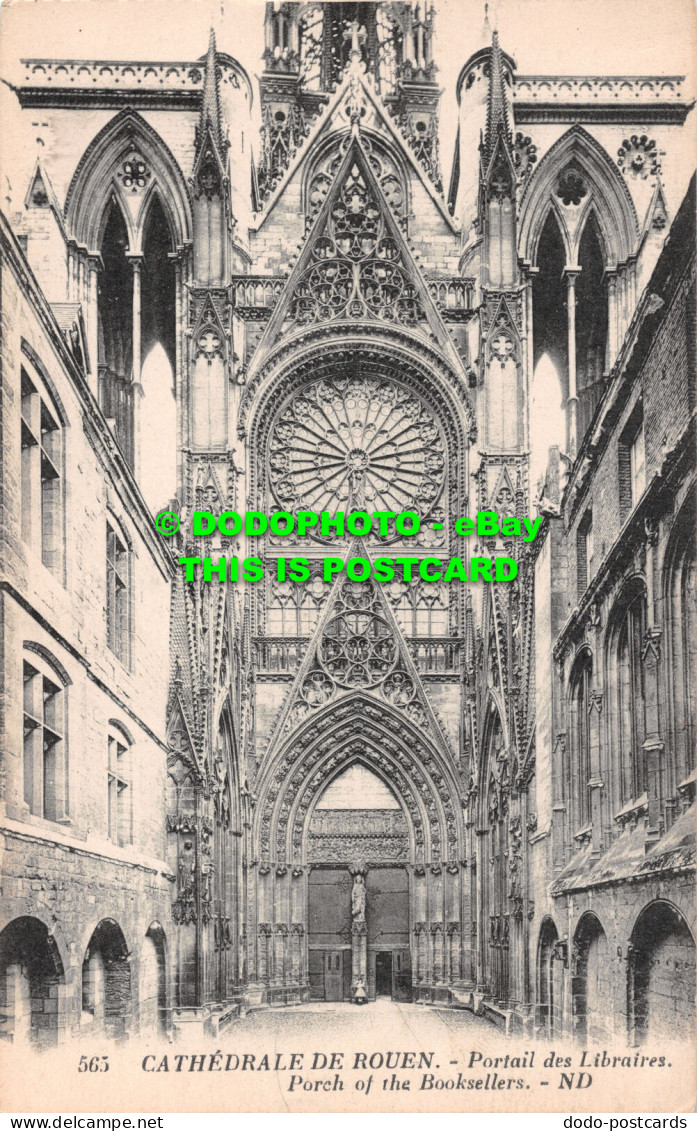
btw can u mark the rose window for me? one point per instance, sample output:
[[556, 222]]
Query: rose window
[[353, 444]]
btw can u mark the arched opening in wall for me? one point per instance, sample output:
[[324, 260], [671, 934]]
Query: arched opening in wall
[[547, 417], [116, 329], [358, 818], [549, 983], [158, 288], [550, 324], [661, 972], [152, 987], [158, 419], [591, 985], [580, 743], [106, 981], [591, 323], [158, 463], [31, 977]]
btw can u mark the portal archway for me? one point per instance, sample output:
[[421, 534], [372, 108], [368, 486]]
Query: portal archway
[[358, 839], [408, 855]]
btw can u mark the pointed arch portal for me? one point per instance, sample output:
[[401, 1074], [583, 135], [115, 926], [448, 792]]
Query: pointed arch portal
[[359, 876]]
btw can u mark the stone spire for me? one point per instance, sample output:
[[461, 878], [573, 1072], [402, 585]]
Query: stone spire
[[497, 108], [211, 116]]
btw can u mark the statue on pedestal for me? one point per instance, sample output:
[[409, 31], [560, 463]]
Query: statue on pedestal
[[358, 899]]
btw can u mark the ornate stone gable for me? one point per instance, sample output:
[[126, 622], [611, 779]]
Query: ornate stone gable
[[292, 136], [358, 646], [355, 267]]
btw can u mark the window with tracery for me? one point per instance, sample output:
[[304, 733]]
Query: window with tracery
[[136, 314], [353, 443], [294, 609], [327, 36], [576, 289], [421, 610]]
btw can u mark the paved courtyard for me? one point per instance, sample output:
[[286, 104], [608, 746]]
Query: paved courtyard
[[380, 1026]]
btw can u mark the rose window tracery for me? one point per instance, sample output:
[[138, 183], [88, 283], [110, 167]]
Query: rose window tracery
[[351, 443], [639, 156]]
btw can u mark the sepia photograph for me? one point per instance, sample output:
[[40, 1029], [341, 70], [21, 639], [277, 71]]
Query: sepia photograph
[[348, 582]]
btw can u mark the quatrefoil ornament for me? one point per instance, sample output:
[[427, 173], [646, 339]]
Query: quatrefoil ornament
[[135, 173]]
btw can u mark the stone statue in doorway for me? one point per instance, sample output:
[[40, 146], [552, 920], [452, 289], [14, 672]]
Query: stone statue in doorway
[[358, 899]]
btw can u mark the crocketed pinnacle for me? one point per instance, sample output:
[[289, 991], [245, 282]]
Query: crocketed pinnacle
[[497, 109], [210, 108]]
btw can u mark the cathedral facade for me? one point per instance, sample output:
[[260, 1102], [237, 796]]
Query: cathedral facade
[[477, 796]]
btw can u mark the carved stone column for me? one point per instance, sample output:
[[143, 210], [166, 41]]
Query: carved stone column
[[359, 932], [595, 783], [297, 952], [264, 936], [559, 829], [612, 331], [651, 660], [437, 936], [454, 951], [93, 322], [137, 389], [359, 957], [281, 948], [420, 949], [572, 398]]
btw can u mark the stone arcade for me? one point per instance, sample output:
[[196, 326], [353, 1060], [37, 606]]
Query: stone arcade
[[472, 795]]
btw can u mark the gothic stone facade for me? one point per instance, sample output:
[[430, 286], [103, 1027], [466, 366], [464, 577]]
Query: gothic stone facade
[[476, 796]]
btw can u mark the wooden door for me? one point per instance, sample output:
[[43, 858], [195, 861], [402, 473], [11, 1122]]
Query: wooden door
[[401, 975], [333, 975]]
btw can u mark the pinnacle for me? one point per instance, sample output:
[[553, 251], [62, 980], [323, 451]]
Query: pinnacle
[[210, 106], [497, 110]]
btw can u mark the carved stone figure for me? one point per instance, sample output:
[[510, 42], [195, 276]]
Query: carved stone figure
[[358, 900]]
